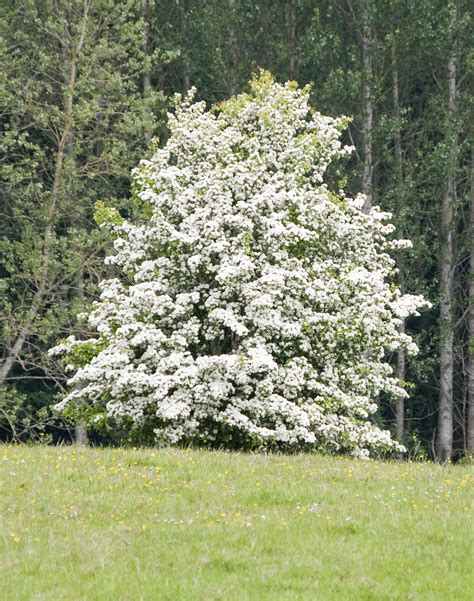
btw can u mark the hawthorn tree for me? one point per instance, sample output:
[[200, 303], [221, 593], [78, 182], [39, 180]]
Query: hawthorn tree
[[256, 306]]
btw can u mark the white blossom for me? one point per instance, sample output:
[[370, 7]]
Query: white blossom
[[255, 306]]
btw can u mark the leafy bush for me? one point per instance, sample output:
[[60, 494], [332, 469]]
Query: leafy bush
[[24, 417]]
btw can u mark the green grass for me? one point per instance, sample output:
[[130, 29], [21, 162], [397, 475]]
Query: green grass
[[118, 524]]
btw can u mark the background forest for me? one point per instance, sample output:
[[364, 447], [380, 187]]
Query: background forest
[[85, 88]]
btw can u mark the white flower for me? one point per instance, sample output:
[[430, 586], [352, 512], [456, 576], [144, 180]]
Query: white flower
[[256, 305]]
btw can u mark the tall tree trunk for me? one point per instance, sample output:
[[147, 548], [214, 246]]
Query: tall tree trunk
[[261, 51], [80, 430], [368, 108], [186, 78], [367, 119], [234, 50], [290, 37], [470, 397], [401, 358], [146, 76], [145, 16], [445, 416]]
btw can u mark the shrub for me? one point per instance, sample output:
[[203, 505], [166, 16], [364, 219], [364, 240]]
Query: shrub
[[255, 306]]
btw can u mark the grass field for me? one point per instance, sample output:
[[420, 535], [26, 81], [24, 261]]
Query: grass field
[[103, 525]]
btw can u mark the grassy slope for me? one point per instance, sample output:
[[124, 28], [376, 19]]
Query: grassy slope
[[130, 525]]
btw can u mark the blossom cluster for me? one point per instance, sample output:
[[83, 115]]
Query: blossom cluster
[[255, 306]]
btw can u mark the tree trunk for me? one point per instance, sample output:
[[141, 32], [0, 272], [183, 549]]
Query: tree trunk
[[80, 431], [17, 347], [368, 109], [261, 51], [470, 397], [445, 417], [185, 74], [290, 37], [401, 358], [146, 76], [186, 81], [145, 16], [234, 50], [80, 434]]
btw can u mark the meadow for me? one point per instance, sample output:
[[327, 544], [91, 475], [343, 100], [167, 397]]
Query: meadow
[[115, 524]]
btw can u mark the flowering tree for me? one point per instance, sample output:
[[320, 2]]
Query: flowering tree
[[255, 307]]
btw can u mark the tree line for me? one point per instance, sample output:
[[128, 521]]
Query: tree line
[[84, 93]]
